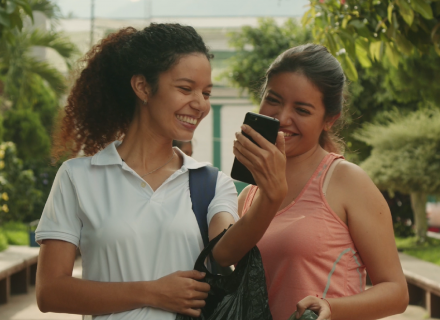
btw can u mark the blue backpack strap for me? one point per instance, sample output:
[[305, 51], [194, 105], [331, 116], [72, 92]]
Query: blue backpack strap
[[202, 183]]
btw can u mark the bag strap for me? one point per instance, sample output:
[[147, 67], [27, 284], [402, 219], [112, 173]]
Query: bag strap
[[202, 183]]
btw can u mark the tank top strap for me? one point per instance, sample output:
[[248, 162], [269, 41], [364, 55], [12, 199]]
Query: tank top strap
[[313, 189], [326, 166], [249, 198], [314, 184]]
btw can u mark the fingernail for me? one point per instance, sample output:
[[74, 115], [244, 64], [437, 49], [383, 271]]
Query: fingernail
[[203, 274], [244, 127], [236, 134]]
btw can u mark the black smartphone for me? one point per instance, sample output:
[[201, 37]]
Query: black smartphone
[[266, 126]]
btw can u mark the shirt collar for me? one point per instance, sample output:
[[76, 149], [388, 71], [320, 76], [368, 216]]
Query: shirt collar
[[110, 156], [190, 163]]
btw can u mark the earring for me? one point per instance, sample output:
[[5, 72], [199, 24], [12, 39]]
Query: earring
[[145, 101]]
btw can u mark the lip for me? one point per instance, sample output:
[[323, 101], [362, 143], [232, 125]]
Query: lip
[[187, 125], [294, 134]]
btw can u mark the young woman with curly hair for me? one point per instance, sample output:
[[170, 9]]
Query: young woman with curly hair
[[334, 224], [126, 204]]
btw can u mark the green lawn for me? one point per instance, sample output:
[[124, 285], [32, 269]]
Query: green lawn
[[15, 233], [429, 251]]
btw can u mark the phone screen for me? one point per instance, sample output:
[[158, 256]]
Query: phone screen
[[266, 126]]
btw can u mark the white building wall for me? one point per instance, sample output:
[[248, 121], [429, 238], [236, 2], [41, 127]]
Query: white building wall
[[232, 119], [202, 141]]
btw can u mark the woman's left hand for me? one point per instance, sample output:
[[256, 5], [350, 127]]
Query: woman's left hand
[[319, 306]]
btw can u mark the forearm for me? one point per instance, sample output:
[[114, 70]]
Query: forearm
[[71, 295], [246, 232], [383, 299]]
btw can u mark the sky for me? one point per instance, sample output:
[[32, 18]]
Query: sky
[[123, 9]]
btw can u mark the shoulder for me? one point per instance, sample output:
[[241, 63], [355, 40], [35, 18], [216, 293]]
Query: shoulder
[[77, 163], [225, 183], [75, 167], [242, 199], [356, 188], [348, 174]]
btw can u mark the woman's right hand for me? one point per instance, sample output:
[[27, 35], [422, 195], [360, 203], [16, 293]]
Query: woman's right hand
[[180, 292], [266, 162]]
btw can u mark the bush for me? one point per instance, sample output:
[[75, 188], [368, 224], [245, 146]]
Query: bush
[[3, 241], [17, 186]]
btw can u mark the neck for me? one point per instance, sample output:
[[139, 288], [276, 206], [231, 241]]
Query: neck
[[143, 147], [306, 160]]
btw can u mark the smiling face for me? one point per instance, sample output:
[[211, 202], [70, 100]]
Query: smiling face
[[182, 98], [292, 99]]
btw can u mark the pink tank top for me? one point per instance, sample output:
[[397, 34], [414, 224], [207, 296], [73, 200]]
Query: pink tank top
[[308, 250]]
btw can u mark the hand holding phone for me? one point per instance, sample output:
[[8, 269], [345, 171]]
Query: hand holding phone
[[258, 160]]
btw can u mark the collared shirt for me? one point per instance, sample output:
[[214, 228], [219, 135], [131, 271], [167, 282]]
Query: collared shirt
[[125, 231]]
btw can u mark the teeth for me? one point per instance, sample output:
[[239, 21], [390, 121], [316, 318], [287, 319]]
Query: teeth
[[187, 119], [286, 134]]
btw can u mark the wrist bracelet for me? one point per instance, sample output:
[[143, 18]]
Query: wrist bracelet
[[329, 305]]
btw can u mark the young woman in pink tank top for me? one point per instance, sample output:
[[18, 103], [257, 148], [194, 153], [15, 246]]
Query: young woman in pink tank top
[[334, 223]]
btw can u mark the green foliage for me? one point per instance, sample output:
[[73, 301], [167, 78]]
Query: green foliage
[[12, 13], [367, 31], [3, 241], [257, 48], [427, 251], [22, 73], [16, 233], [44, 173], [406, 152], [24, 128], [18, 185]]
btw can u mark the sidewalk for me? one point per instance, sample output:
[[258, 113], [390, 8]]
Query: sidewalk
[[24, 307]]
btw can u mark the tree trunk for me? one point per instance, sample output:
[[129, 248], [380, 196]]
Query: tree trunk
[[418, 204]]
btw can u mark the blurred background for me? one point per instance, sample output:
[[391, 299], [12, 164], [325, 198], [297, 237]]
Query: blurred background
[[389, 49]]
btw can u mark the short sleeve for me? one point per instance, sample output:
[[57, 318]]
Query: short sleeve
[[60, 220], [225, 199]]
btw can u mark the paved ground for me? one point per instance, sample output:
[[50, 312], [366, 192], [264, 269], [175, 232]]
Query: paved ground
[[24, 307]]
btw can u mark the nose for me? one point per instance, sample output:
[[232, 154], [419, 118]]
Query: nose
[[199, 102], [285, 117]]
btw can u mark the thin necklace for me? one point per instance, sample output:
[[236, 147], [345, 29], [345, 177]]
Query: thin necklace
[[160, 166]]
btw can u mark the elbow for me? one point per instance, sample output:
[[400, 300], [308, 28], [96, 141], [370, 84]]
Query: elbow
[[43, 301], [405, 299], [223, 260], [402, 298], [225, 263]]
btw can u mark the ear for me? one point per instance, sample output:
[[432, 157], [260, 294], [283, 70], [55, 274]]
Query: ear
[[331, 121], [140, 87]]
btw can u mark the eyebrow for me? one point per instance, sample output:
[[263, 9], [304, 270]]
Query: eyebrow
[[192, 81], [301, 103]]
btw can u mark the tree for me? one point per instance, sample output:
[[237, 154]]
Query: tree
[[256, 48], [405, 158], [31, 87], [12, 13], [367, 31], [20, 70]]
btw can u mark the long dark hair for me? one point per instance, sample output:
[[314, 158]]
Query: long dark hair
[[101, 104], [325, 72]]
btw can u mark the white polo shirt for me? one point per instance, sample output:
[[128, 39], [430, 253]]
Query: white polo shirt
[[125, 231]]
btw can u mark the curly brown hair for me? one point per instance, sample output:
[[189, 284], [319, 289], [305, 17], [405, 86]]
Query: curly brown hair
[[101, 104]]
